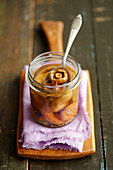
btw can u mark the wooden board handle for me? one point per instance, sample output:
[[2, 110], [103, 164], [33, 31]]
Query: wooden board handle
[[53, 31]]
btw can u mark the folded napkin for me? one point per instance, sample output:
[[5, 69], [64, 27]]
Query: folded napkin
[[69, 137]]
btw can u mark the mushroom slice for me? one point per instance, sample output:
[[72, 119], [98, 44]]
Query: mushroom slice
[[59, 76]]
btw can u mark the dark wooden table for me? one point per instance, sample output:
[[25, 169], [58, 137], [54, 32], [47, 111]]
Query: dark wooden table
[[21, 41]]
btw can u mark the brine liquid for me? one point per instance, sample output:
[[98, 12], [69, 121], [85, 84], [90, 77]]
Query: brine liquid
[[41, 73], [53, 110]]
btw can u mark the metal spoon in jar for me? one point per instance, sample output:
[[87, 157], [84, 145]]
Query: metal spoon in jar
[[60, 73]]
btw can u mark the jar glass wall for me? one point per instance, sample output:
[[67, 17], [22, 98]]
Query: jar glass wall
[[53, 106]]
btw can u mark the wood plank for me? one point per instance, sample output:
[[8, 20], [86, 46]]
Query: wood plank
[[83, 51], [51, 154], [14, 44], [103, 23]]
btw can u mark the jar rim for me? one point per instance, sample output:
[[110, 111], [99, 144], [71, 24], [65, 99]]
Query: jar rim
[[60, 54]]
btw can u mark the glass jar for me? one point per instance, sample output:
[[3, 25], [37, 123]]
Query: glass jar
[[53, 106]]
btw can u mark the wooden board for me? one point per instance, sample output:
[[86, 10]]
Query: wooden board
[[46, 154]]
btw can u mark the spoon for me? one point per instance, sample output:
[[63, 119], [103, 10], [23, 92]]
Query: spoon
[[75, 27]]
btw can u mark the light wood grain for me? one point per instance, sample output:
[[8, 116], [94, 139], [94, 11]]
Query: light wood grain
[[50, 154], [52, 30]]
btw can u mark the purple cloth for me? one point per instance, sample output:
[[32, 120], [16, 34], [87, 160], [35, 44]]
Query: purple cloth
[[69, 137]]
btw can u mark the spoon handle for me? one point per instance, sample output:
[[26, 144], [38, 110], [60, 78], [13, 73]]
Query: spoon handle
[[75, 27]]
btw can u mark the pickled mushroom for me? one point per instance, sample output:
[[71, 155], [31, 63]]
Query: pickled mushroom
[[60, 107], [59, 76]]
